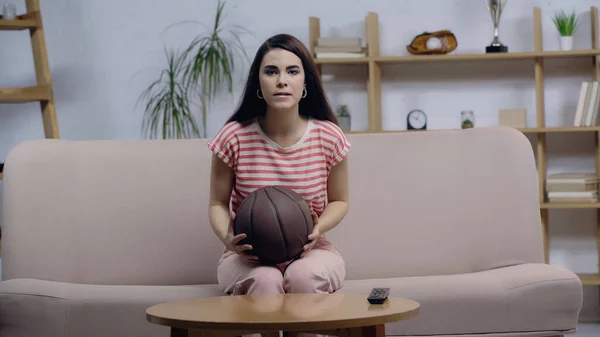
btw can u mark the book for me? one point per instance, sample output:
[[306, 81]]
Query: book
[[581, 103], [567, 177], [572, 187], [339, 47], [588, 104], [340, 55], [329, 49], [587, 196], [592, 105], [339, 41]]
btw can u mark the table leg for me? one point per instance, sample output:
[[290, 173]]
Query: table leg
[[367, 331], [176, 332], [373, 331], [270, 334]]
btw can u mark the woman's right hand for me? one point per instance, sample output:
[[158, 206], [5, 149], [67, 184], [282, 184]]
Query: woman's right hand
[[232, 242]]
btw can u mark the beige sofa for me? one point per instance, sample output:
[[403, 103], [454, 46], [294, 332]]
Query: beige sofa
[[97, 231]]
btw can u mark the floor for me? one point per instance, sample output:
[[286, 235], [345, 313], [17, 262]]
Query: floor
[[587, 330]]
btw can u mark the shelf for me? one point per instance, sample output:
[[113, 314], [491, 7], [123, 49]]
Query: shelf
[[589, 279], [487, 57], [565, 205], [23, 95], [567, 54], [462, 57], [562, 129], [27, 21], [524, 130], [343, 60]]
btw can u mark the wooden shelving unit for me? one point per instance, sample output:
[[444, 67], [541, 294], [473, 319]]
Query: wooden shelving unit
[[42, 91], [461, 57], [373, 61], [23, 22], [590, 279], [25, 95]]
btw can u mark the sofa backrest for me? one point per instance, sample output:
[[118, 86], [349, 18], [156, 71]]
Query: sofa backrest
[[440, 202], [109, 212], [135, 212]]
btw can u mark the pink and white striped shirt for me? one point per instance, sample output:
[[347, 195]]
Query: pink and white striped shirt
[[258, 161]]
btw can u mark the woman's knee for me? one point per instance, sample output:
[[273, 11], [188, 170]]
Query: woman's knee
[[260, 280], [238, 277], [318, 272], [305, 280]]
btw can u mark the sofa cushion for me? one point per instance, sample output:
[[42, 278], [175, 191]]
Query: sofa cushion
[[30, 308], [521, 299], [516, 299]]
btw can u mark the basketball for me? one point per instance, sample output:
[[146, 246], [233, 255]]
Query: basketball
[[276, 221]]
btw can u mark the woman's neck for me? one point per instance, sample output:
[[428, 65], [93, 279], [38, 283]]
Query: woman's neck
[[282, 123]]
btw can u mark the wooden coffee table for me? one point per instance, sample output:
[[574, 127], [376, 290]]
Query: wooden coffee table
[[328, 314]]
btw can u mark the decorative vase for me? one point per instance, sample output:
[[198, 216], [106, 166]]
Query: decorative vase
[[344, 122], [9, 12], [566, 42]]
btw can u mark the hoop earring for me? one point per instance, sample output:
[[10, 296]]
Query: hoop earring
[[304, 93], [258, 94]]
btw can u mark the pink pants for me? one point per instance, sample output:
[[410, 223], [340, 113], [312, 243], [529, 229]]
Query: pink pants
[[321, 270]]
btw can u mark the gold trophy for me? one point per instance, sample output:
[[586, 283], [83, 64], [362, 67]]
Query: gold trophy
[[495, 7]]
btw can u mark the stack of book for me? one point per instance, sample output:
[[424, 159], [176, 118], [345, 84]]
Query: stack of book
[[339, 47], [572, 187], [588, 104]]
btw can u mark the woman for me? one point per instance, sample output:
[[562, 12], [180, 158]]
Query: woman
[[283, 133]]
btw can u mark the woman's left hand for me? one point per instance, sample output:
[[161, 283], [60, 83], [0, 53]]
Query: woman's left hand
[[314, 235]]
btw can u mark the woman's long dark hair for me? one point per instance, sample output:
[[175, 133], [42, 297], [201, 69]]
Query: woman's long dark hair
[[314, 105]]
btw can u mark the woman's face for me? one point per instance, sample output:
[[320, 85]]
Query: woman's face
[[281, 79]]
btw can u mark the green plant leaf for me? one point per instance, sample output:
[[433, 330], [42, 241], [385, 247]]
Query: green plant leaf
[[201, 70], [342, 111], [566, 24], [167, 108]]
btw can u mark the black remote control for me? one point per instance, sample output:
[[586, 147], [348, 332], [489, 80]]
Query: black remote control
[[378, 295]]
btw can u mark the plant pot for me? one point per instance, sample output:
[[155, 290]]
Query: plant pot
[[566, 42], [344, 122]]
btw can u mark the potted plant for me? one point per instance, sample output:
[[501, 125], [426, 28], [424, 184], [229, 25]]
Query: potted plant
[[467, 119], [200, 69], [566, 26], [343, 117]]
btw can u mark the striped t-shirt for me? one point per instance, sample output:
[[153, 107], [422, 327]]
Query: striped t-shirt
[[258, 161]]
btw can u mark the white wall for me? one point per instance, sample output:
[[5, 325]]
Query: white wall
[[104, 53]]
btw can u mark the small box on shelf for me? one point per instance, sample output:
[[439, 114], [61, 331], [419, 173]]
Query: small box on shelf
[[515, 118]]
